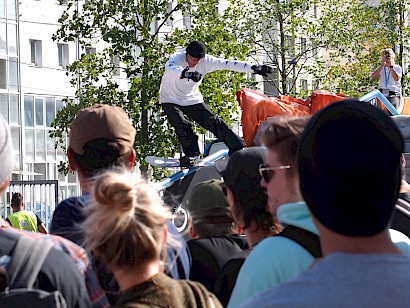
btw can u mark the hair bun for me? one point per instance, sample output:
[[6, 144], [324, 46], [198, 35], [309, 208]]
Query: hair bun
[[115, 192]]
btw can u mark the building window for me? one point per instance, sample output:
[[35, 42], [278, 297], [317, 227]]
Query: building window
[[50, 111], [3, 9], [3, 74], [187, 20], [36, 51], [314, 9], [289, 84], [11, 9], [3, 38], [115, 61], [13, 74], [315, 84], [90, 51], [303, 46], [12, 39], [62, 55], [289, 45], [39, 111], [314, 52], [303, 85], [170, 19]]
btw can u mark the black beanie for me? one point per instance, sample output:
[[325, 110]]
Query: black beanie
[[349, 167], [196, 49]]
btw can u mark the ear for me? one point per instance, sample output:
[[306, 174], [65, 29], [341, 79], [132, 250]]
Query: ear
[[165, 234], [235, 208], [230, 197], [240, 230], [70, 157], [192, 232], [131, 159]]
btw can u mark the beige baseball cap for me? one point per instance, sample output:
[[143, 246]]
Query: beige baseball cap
[[102, 121]]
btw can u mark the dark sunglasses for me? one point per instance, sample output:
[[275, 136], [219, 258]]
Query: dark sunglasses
[[267, 173]]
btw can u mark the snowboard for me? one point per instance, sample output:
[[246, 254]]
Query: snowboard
[[165, 162]]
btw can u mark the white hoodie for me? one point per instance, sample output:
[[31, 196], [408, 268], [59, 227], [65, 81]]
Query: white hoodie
[[185, 92]]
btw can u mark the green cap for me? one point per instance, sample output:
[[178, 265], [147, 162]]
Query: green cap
[[206, 196]]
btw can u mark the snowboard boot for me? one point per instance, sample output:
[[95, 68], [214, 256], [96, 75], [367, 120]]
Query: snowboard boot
[[189, 161]]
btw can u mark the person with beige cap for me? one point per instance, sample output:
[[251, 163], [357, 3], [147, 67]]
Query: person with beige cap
[[102, 137], [65, 268], [216, 237]]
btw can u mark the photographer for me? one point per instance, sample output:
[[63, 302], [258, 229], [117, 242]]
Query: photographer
[[390, 77]]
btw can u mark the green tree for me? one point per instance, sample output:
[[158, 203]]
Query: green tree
[[356, 32], [134, 32], [284, 32]]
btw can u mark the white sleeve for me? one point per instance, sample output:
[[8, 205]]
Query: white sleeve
[[398, 70], [217, 64]]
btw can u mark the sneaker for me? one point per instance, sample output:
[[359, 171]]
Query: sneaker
[[189, 161]]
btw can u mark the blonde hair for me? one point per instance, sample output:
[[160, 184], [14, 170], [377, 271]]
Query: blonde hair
[[125, 220]]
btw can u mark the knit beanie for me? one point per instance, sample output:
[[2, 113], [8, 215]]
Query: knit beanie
[[7, 157], [196, 49]]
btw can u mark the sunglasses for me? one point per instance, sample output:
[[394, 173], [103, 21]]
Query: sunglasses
[[267, 173]]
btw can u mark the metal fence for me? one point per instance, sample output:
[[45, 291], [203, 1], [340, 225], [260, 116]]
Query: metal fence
[[40, 197]]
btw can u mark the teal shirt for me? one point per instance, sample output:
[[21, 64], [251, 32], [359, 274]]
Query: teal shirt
[[278, 259], [275, 259]]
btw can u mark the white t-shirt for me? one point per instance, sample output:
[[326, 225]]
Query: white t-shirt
[[387, 81]]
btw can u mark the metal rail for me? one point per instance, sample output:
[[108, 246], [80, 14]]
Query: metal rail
[[377, 94]]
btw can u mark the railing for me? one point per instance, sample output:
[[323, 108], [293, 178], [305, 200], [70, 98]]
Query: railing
[[377, 94], [40, 197]]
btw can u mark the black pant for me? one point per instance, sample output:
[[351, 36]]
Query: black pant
[[201, 114]]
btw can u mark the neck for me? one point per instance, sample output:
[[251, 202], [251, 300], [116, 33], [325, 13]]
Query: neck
[[380, 243], [404, 187], [85, 183], [254, 235], [128, 277]]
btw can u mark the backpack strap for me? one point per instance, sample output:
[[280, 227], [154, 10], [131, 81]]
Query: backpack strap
[[304, 238], [403, 206], [26, 261]]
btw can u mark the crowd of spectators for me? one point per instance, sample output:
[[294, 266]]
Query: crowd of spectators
[[306, 220]]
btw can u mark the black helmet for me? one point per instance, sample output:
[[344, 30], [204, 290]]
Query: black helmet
[[196, 49]]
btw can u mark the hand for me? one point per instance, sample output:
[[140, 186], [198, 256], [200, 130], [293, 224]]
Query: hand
[[194, 76], [263, 70], [184, 72]]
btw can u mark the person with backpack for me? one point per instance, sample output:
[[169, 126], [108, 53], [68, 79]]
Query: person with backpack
[[277, 258], [248, 202], [283, 257], [38, 270], [350, 174]]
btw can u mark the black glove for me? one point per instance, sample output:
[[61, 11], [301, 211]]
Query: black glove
[[263, 70], [194, 76]]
